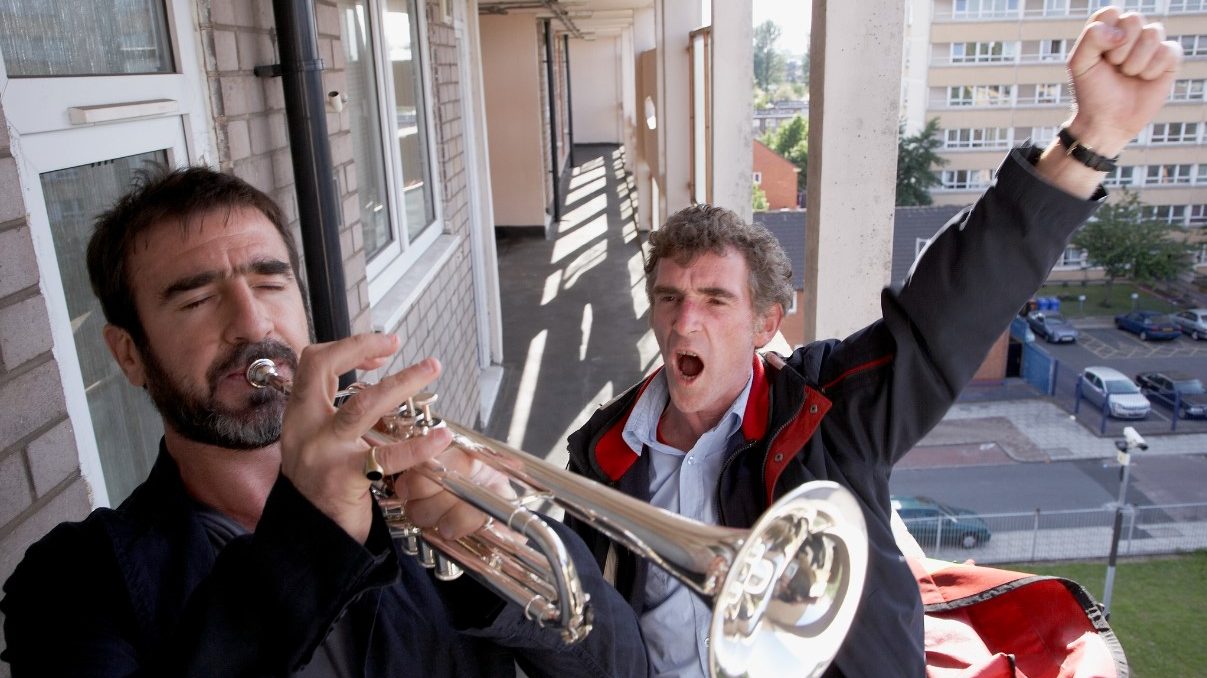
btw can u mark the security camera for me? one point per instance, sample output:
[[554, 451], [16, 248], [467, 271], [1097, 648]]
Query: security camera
[[1134, 440]]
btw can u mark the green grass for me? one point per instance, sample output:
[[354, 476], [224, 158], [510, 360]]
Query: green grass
[[1157, 609], [1119, 301]]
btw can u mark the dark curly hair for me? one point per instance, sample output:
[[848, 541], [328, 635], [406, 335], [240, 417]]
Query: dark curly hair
[[695, 230], [163, 195]]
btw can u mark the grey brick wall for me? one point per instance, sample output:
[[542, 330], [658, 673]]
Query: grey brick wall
[[40, 482]]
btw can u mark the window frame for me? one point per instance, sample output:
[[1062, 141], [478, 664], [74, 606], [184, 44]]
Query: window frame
[[387, 267]]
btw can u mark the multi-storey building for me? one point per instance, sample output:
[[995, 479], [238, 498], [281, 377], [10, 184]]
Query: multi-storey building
[[992, 72]]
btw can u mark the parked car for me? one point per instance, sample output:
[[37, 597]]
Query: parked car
[[930, 522], [1192, 322], [1126, 400], [1052, 326], [1148, 325], [1169, 388]]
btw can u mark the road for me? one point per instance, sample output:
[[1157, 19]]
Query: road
[[1056, 486]]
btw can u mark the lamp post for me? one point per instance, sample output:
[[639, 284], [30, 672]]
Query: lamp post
[[1131, 440], [1134, 298]]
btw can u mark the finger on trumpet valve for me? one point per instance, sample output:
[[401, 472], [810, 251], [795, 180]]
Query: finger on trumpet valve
[[424, 421]]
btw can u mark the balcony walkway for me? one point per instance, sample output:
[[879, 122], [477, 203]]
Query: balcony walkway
[[575, 325]]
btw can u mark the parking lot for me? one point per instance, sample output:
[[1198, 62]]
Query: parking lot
[[1100, 343]]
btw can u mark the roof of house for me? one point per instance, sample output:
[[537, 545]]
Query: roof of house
[[909, 225], [788, 226]]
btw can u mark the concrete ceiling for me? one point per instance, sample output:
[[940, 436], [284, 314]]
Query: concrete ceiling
[[588, 18]]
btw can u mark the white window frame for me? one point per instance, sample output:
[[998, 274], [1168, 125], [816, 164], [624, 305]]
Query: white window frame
[[977, 137], [1169, 175], [1188, 89], [1173, 133], [45, 140], [1197, 216], [965, 179], [388, 266], [1122, 175], [1192, 45], [757, 178], [1187, 6], [1174, 215]]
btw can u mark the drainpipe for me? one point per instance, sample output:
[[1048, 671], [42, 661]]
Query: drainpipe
[[569, 99], [314, 179], [557, 198]]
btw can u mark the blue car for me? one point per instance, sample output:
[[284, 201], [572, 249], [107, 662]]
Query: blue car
[[1148, 325]]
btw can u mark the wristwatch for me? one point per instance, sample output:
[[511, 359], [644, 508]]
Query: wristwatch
[[1084, 154]]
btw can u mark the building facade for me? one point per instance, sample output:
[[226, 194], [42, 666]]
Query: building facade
[[776, 175], [992, 72]]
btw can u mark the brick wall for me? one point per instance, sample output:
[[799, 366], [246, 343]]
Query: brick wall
[[40, 482], [779, 177]]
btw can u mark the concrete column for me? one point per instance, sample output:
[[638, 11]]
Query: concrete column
[[732, 116], [854, 93], [677, 19]]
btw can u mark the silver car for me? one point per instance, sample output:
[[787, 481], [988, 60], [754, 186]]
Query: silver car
[[1126, 401], [1052, 327], [1192, 322]]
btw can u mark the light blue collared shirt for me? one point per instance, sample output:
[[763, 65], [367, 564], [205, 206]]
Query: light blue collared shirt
[[685, 483]]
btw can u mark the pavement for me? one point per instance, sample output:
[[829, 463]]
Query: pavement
[[576, 334]]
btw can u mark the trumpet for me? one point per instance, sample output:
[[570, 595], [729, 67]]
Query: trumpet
[[783, 593]]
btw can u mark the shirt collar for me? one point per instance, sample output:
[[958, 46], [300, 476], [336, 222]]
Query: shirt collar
[[641, 429]]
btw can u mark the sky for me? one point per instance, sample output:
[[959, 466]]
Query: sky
[[793, 18]]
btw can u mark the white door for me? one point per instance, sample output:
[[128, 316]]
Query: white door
[[95, 92]]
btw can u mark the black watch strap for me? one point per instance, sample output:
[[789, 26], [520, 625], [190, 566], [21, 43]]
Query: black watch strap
[[1084, 154]]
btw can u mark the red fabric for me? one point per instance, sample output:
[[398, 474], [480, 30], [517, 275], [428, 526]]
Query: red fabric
[[983, 622], [613, 454], [792, 439]]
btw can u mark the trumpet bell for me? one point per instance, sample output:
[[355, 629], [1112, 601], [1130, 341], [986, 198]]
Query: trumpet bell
[[791, 592]]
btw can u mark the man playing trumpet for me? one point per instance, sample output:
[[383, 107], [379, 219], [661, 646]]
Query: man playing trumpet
[[255, 546], [719, 433]]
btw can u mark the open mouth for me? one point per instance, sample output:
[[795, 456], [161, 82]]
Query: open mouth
[[688, 364]]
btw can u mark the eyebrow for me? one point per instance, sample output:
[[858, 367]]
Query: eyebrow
[[192, 282], [720, 292]]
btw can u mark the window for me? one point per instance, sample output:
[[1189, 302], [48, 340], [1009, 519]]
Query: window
[[388, 102], [1042, 136], [984, 9], [1122, 175], [1198, 216], [1056, 7], [1048, 94], [122, 38], [980, 95], [1192, 45], [1052, 50], [965, 180], [1073, 257], [983, 52], [1168, 174], [1168, 214], [758, 178], [1187, 90], [1174, 133], [977, 137], [1187, 6]]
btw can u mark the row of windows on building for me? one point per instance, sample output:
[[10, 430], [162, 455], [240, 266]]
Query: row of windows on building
[[990, 138], [1033, 51], [1005, 96], [1147, 176], [1011, 9]]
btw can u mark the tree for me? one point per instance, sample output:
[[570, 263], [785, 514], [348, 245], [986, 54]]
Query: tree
[[791, 140], [1124, 242], [768, 63], [758, 198], [916, 158]]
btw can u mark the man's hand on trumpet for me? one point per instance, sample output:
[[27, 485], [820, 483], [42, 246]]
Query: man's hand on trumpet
[[322, 452]]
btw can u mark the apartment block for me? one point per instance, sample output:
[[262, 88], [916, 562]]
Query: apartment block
[[993, 73]]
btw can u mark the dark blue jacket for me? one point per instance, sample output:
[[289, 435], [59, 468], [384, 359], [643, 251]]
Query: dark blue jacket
[[139, 591], [847, 410]]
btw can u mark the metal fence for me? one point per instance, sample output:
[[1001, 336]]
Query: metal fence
[[1063, 535]]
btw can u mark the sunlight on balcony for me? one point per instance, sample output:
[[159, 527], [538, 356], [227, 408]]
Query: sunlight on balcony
[[527, 390], [641, 303], [575, 234], [585, 326], [647, 351], [552, 281], [585, 261], [559, 456]]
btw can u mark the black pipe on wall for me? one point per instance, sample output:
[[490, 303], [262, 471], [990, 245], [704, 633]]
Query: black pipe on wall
[[557, 198], [301, 71], [569, 98]]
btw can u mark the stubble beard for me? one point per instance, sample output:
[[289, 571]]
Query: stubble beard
[[200, 417]]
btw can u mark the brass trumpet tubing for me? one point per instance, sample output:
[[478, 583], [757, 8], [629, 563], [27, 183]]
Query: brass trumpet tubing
[[695, 553]]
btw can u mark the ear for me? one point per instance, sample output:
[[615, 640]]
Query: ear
[[767, 325], [125, 354]]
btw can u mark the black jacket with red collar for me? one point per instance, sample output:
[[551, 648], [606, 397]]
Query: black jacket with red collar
[[847, 410]]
